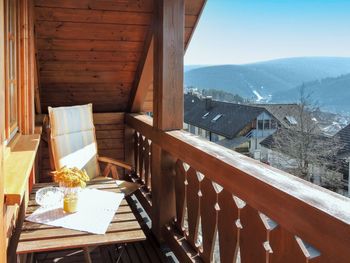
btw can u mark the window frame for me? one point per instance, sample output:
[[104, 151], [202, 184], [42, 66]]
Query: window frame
[[274, 124], [11, 127], [267, 124]]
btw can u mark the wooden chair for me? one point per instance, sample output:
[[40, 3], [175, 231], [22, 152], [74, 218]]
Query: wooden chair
[[72, 143]]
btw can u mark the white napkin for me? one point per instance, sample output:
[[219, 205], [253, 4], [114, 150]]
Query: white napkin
[[96, 209]]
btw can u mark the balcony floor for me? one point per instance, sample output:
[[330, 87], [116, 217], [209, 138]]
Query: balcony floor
[[145, 251]]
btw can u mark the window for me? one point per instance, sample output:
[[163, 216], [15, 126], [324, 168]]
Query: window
[[11, 68], [291, 120], [216, 118], [214, 137], [192, 129], [205, 115], [200, 131], [260, 124], [266, 124], [273, 124]]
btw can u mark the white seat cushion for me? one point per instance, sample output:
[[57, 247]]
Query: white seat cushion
[[73, 140]]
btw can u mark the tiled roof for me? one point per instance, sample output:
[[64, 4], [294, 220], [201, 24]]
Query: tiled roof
[[344, 137], [233, 143], [234, 117], [268, 142]]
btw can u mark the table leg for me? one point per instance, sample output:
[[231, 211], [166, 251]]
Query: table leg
[[25, 258], [30, 258], [87, 255], [22, 258]]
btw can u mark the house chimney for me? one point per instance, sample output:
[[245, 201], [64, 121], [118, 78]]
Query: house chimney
[[208, 101]]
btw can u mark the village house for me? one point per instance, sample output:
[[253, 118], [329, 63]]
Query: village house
[[344, 155], [239, 127], [329, 154]]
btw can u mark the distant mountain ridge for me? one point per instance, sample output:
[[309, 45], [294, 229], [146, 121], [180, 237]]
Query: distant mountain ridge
[[191, 67], [260, 81], [332, 94]]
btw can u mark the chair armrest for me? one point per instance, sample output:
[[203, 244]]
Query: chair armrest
[[115, 162]]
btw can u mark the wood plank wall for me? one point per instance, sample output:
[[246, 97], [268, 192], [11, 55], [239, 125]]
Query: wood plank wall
[[88, 50], [193, 11], [110, 140]]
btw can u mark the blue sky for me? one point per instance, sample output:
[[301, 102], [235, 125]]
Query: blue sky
[[244, 31]]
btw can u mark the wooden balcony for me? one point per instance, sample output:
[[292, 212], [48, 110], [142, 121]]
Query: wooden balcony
[[205, 203], [221, 204], [210, 204]]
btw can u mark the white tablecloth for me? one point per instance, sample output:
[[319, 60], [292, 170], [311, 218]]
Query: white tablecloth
[[96, 209]]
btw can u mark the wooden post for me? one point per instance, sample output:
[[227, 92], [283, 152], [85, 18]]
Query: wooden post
[[163, 190], [2, 133], [26, 63], [167, 105], [168, 65]]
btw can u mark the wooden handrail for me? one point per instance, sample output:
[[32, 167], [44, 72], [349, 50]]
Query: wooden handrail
[[317, 215]]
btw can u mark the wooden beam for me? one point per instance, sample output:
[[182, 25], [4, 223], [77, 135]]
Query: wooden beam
[[143, 79], [2, 133], [37, 81], [144, 6], [26, 65], [163, 191], [167, 105], [168, 65]]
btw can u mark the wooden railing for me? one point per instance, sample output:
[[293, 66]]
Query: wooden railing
[[141, 159], [229, 206]]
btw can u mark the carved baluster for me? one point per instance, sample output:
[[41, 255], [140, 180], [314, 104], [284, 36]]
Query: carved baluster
[[289, 249], [180, 190], [136, 150], [150, 166], [141, 157], [209, 218], [193, 206], [253, 236], [312, 254], [227, 228], [147, 161]]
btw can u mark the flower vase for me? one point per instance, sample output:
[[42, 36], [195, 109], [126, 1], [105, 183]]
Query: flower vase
[[70, 199]]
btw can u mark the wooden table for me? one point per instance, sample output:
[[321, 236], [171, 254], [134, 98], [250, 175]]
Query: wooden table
[[34, 237]]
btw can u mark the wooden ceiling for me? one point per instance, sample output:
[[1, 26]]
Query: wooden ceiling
[[89, 50]]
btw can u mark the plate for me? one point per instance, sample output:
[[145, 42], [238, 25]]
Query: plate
[[49, 196]]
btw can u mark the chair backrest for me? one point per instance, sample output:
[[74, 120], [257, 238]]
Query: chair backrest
[[72, 138]]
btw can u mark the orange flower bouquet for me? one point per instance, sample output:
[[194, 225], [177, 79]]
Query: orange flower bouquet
[[71, 179]]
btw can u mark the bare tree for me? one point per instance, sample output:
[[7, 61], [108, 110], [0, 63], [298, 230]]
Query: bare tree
[[304, 150]]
